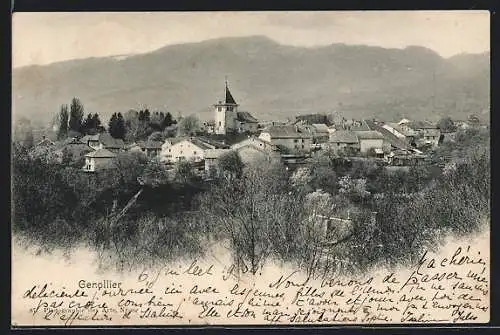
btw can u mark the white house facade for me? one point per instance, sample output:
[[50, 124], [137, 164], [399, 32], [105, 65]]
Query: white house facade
[[98, 159], [192, 150]]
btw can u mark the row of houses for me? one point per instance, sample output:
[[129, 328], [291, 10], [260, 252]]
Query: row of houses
[[98, 150]]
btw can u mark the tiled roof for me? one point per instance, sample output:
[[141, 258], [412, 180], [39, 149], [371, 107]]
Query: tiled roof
[[312, 118], [202, 144], [421, 125], [101, 153], [105, 139], [369, 135], [396, 127], [76, 149], [254, 142], [110, 142], [211, 142], [215, 153], [246, 117], [150, 144], [390, 137], [320, 127], [361, 126], [87, 138], [343, 136], [288, 131]]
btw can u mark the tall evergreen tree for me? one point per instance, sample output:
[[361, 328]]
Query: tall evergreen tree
[[75, 115], [120, 125], [147, 115], [112, 125], [117, 126], [167, 120], [62, 131], [88, 125], [97, 123]]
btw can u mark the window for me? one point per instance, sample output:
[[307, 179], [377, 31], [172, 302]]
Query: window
[[295, 140], [229, 109], [194, 152], [219, 109], [302, 146], [220, 123], [169, 150], [302, 140]]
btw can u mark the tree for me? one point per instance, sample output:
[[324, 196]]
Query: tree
[[155, 174], [156, 122], [184, 172], [446, 125], [156, 136], [62, 131], [231, 165], [322, 174], [76, 115], [88, 125], [97, 123], [117, 126], [168, 120], [189, 125], [126, 167], [355, 189]]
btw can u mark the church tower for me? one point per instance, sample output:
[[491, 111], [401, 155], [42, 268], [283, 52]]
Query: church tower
[[225, 113]]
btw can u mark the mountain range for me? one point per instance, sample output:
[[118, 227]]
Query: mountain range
[[268, 79]]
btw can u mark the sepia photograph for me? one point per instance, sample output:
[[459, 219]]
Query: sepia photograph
[[250, 168]]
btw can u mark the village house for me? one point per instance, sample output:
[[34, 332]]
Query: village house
[[254, 149], [311, 119], [98, 159], [211, 159], [342, 139], [72, 149], [359, 125], [405, 158], [403, 133], [104, 141], [185, 149], [246, 123], [320, 132], [288, 137], [391, 141], [151, 149], [370, 139], [428, 133], [45, 142]]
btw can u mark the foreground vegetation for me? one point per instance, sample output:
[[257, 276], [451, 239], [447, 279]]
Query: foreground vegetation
[[263, 211]]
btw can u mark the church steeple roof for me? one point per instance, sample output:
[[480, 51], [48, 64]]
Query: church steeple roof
[[229, 98]]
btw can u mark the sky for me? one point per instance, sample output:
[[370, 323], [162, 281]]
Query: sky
[[43, 38]]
